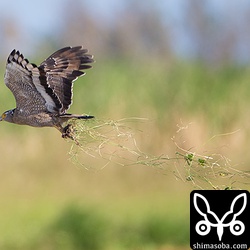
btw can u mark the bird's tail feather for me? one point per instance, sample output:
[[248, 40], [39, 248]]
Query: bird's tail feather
[[73, 116]]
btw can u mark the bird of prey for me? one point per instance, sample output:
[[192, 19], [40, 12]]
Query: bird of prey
[[43, 93]]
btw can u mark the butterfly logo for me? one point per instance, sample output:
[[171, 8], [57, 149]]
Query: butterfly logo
[[210, 219]]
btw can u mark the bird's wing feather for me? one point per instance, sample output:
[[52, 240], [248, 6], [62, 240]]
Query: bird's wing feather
[[49, 86], [61, 69], [20, 78]]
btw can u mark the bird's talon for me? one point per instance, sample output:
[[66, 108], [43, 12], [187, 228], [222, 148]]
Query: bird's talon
[[67, 132]]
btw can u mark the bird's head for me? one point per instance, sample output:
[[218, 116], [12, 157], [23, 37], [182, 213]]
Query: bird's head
[[7, 116]]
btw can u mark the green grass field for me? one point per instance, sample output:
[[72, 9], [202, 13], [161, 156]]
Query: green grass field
[[51, 201]]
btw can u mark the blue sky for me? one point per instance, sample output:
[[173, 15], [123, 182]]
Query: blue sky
[[40, 19], [31, 14]]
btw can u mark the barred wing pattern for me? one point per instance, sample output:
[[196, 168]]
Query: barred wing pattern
[[49, 86], [59, 71], [18, 78]]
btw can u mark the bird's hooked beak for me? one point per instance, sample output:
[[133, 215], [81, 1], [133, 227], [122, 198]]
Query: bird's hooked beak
[[2, 117]]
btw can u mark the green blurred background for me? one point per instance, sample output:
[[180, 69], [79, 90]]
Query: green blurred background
[[183, 65]]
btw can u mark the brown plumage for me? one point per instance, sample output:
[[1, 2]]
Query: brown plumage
[[44, 93]]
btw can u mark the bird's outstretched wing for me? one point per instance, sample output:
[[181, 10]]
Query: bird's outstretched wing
[[49, 86], [60, 69], [18, 78]]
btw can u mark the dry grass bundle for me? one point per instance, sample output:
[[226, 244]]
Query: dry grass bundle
[[106, 141], [102, 142], [207, 170]]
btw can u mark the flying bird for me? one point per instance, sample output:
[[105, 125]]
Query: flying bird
[[43, 93]]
